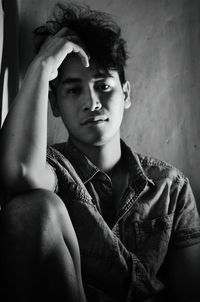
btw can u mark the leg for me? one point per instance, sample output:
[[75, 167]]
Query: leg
[[40, 256]]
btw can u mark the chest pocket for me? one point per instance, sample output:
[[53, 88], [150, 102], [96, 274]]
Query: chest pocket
[[152, 240]]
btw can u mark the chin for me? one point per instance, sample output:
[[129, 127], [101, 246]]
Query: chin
[[96, 140]]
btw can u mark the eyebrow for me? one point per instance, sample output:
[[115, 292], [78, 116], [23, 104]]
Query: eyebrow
[[103, 75], [99, 75], [71, 81]]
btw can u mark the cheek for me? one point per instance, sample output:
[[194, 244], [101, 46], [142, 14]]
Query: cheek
[[118, 113], [67, 111], [116, 104]]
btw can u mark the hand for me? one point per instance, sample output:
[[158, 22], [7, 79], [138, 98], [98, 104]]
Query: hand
[[57, 47]]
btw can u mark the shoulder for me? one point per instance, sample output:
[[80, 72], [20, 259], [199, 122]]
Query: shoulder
[[56, 155], [158, 170], [173, 189], [57, 158], [56, 150]]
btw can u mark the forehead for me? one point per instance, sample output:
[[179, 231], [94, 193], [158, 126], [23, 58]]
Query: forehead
[[72, 67]]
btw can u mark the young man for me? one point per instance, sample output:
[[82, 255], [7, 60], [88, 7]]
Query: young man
[[89, 219]]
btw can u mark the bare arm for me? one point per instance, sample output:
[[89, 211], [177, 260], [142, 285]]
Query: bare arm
[[183, 266], [23, 137]]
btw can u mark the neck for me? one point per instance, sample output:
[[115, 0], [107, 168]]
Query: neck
[[105, 156]]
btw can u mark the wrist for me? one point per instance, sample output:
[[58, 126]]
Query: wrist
[[40, 67]]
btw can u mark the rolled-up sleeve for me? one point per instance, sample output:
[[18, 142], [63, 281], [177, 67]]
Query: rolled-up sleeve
[[186, 224]]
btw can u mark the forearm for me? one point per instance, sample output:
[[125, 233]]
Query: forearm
[[24, 134]]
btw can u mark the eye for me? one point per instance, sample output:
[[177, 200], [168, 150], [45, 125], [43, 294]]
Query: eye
[[73, 90], [103, 87]]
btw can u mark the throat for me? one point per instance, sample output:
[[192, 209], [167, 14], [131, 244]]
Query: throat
[[105, 156]]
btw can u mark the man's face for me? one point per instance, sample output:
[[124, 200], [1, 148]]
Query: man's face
[[90, 102]]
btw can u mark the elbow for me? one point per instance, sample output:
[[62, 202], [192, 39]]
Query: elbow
[[16, 179]]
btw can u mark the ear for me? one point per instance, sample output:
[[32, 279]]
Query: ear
[[53, 102], [127, 91]]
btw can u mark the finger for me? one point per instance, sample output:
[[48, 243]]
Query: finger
[[51, 36], [73, 37], [68, 33], [82, 54], [62, 32]]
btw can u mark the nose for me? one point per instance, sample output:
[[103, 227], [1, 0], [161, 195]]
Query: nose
[[92, 101]]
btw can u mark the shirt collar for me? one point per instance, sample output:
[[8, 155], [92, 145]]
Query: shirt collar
[[137, 173], [84, 167], [87, 170]]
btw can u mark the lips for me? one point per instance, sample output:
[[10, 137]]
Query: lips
[[97, 119]]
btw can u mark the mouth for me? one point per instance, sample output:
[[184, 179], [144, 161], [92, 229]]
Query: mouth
[[94, 120]]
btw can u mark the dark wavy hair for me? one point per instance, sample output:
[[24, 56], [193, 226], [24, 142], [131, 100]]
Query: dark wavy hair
[[97, 30]]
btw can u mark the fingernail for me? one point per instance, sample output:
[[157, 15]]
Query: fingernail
[[87, 64]]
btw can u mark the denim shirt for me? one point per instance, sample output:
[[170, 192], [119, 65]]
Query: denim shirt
[[124, 260]]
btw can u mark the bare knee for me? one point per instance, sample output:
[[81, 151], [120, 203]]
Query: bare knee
[[38, 242], [30, 211]]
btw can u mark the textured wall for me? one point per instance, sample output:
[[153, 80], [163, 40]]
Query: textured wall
[[164, 71]]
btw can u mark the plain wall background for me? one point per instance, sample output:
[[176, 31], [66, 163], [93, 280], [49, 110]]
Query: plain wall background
[[164, 70]]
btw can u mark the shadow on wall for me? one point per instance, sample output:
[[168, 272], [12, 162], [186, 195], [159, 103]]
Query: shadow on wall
[[9, 76]]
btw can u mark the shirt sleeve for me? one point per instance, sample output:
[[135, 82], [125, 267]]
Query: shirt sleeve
[[55, 187], [186, 224]]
